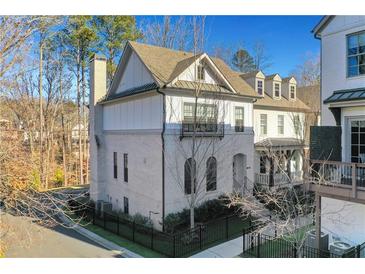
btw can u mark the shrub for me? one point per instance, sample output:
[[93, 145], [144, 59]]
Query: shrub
[[35, 181], [141, 220], [58, 178]]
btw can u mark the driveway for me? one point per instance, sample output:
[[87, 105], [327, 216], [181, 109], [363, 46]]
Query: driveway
[[25, 239]]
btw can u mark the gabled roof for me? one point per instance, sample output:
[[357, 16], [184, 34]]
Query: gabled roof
[[272, 76], [165, 65], [279, 143], [288, 79], [252, 74], [325, 20]]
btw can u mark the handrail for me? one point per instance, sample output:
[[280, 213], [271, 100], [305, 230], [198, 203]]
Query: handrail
[[337, 163]]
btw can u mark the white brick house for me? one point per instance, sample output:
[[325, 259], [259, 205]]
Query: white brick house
[[343, 105], [140, 131]]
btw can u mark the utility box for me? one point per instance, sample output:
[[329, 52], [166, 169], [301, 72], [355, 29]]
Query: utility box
[[340, 248], [311, 240]]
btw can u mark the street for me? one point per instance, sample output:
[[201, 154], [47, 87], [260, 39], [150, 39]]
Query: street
[[26, 239]]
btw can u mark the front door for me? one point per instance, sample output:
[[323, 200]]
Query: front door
[[239, 172]]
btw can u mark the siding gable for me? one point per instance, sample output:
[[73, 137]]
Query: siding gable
[[135, 74]]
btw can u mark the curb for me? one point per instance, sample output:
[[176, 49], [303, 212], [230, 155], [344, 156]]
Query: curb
[[99, 240]]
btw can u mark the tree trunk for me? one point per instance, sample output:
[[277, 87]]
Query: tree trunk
[[81, 175]]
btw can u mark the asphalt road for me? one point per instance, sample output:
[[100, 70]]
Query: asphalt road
[[25, 239]]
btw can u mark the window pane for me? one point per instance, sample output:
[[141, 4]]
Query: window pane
[[355, 126], [354, 138], [362, 43], [354, 150], [352, 44], [353, 61], [353, 71], [362, 69]]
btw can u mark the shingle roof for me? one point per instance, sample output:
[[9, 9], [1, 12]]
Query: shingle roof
[[283, 103], [311, 96], [346, 95], [166, 64]]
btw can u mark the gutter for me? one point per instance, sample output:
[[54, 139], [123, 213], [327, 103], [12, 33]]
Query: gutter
[[163, 154]]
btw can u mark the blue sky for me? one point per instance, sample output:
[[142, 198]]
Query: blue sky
[[288, 39]]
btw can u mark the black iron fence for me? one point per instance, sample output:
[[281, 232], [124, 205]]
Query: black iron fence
[[259, 245], [180, 244]]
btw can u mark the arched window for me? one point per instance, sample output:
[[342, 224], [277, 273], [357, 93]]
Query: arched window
[[211, 174], [189, 172]]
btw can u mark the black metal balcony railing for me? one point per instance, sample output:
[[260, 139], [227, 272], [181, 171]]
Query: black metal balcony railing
[[202, 129]]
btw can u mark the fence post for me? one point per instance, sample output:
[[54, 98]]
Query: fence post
[[295, 251], [174, 246], [104, 219], [133, 229], [200, 237], [227, 227], [258, 244], [243, 240], [94, 213], [118, 224], [358, 251], [152, 237]]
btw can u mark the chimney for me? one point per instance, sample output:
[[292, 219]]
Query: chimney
[[97, 92]]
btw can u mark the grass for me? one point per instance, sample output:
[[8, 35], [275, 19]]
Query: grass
[[185, 245], [123, 242]]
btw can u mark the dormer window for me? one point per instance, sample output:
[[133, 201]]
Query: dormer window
[[201, 73], [260, 89], [277, 90], [292, 92]]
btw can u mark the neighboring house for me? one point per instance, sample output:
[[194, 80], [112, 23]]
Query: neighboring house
[[279, 119], [341, 137], [75, 132], [311, 96], [141, 130]]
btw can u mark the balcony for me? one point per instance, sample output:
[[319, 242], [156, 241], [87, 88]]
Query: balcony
[[279, 179], [202, 130], [338, 180]]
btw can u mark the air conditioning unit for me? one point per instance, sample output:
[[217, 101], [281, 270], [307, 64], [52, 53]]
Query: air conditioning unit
[[339, 248], [311, 240]]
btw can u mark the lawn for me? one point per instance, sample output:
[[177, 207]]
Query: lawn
[[158, 244], [121, 241]]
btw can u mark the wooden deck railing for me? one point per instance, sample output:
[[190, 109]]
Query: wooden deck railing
[[340, 175]]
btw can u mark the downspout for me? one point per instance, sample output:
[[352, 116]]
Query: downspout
[[163, 154]]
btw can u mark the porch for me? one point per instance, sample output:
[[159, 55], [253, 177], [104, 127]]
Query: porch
[[339, 180], [280, 162]]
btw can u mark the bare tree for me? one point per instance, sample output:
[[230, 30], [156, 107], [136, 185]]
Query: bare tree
[[308, 73], [261, 59]]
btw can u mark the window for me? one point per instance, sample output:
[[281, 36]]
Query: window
[[277, 90], [126, 205], [281, 124], [356, 54], [239, 119], [263, 124], [358, 141], [292, 92], [125, 160], [189, 173], [115, 164], [205, 113], [211, 174], [201, 73], [260, 89]]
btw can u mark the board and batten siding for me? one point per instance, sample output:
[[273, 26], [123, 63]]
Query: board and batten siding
[[142, 113], [190, 74], [134, 75], [174, 110]]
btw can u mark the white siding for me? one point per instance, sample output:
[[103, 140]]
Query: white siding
[[334, 61], [190, 75], [272, 124], [134, 75], [141, 113]]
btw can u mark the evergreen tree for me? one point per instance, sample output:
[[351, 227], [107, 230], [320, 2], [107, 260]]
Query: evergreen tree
[[243, 61]]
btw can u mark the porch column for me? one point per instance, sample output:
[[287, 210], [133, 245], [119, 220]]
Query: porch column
[[271, 174], [318, 220]]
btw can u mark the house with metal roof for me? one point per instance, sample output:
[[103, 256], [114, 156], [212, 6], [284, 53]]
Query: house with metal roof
[[338, 145], [279, 125], [174, 128]]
